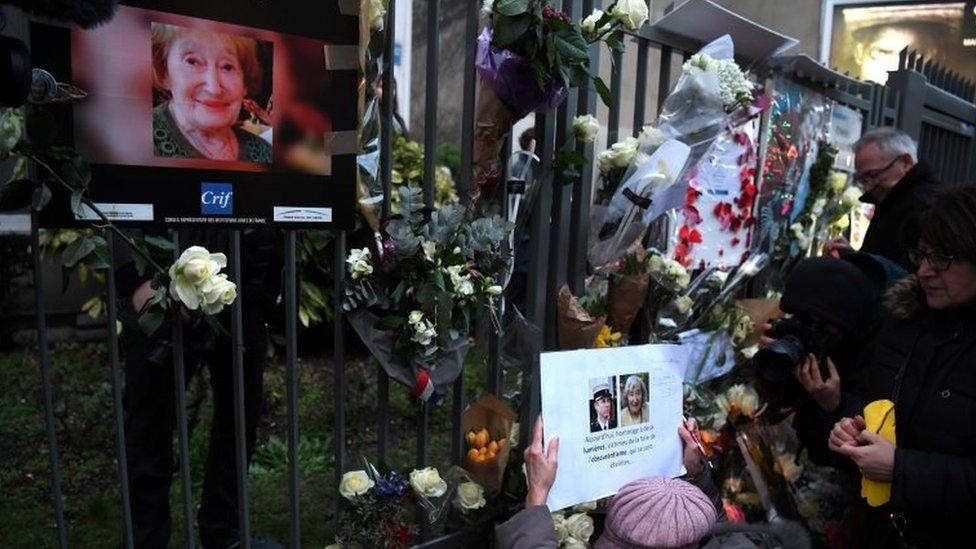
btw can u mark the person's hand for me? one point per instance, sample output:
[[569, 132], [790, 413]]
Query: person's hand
[[540, 467], [875, 456], [691, 455], [765, 339], [825, 392], [253, 108], [837, 246], [845, 433]]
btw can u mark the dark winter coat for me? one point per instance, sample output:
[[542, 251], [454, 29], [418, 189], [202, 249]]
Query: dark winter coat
[[898, 211], [925, 361]]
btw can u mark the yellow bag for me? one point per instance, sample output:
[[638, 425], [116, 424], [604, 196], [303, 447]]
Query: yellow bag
[[879, 417]]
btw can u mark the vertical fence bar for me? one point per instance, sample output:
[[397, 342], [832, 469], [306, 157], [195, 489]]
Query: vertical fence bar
[[640, 87], [495, 381], [582, 188], [386, 108], [383, 414], [116, 375], [291, 375], [538, 266], [183, 435], [458, 407], [430, 109], [338, 355], [240, 429], [468, 102], [664, 77], [47, 391], [613, 119]]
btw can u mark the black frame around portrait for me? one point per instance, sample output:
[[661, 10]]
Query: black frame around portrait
[[175, 193]]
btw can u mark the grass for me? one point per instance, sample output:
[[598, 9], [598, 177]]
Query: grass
[[86, 437]]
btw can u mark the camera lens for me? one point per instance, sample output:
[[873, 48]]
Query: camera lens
[[775, 362]]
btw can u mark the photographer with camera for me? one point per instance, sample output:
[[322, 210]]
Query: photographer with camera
[[809, 364]]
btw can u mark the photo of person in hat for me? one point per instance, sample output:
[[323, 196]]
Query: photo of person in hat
[[602, 403]]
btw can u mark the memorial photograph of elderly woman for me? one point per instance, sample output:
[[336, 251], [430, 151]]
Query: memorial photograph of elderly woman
[[211, 95], [633, 399]]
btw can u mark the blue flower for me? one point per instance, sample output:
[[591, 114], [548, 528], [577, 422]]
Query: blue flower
[[393, 486]]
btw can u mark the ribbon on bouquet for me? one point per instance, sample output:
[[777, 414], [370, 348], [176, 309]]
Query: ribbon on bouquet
[[423, 388]]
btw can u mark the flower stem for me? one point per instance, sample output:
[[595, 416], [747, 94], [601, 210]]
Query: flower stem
[[108, 223]]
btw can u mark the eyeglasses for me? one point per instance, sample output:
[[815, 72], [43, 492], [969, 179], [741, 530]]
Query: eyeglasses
[[937, 261], [871, 176]]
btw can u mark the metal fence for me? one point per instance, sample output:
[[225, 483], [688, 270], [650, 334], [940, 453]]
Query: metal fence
[[559, 220], [937, 110]]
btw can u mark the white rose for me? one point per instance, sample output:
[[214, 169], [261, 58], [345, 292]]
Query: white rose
[[619, 155], [580, 526], [837, 181], [195, 266], [585, 128], [851, 197], [375, 11], [750, 351], [470, 496], [655, 264], [559, 525], [217, 293], [359, 263], [430, 250], [818, 206], [572, 543], [588, 25], [513, 435], [631, 13], [355, 484], [424, 332], [487, 7], [493, 290], [427, 482], [651, 136], [684, 304]]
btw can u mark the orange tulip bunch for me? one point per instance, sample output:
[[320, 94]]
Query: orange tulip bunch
[[481, 448]]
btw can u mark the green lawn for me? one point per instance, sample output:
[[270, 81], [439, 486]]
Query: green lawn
[[86, 440]]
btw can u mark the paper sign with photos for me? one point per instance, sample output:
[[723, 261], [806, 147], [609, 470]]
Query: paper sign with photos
[[616, 412]]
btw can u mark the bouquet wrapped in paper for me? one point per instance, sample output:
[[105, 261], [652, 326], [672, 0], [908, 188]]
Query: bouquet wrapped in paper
[[627, 290], [529, 55], [579, 321], [487, 425], [413, 300]]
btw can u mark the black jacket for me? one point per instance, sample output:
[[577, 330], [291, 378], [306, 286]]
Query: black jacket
[[925, 361], [899, 210], [595, 425]]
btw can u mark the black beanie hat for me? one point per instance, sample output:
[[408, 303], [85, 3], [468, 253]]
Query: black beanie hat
[[832, 290]]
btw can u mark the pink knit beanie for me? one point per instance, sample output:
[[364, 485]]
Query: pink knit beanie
[[657, 512]]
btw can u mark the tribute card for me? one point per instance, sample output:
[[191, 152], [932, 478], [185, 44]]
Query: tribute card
[[616, 413]]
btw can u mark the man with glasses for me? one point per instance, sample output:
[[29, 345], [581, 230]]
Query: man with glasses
[[889, 172]]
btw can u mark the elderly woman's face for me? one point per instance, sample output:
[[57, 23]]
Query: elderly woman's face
[[206, 79], [635, 400], [947, 288]]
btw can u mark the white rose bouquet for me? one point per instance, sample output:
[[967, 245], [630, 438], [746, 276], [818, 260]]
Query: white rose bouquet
[[413, 300]]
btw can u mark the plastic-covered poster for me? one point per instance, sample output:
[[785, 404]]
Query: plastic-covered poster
[[845, 130], [719, 202], [798, 118]]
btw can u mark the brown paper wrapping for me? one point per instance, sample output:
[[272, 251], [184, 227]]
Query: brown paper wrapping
[[493, 122], [577, 329], [624, 299], [761, 311], [498, 417]]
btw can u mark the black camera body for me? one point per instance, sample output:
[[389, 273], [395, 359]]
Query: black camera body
[[795, 338]]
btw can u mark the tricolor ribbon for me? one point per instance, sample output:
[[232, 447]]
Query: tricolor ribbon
[[423, 388]]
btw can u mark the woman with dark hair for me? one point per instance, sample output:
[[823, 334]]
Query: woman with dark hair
[[925, 362]]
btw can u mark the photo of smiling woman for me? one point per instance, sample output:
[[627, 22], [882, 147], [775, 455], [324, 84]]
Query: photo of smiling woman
[[633, 402], [202, 83]]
